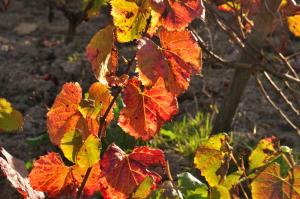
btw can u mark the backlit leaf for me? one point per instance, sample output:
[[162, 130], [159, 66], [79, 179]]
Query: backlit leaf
[[144, 189], [294, 24], [262, 154], [270, 184], [176, 15], [10, 119], [85, 153], [63, 115], [102, 54], [16, 173], [179, 57], [124, 172], [212, 159], [50, 175], [147, 110], [89, 152], [70, 113], [209, 158], [130, 18]]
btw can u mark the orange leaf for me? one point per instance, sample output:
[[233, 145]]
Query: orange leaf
[[270, 184], [64, 113], [51, 176], [179, 57], [124, 172], [69, 112], [146, 111], [102, 54], [176, 15]]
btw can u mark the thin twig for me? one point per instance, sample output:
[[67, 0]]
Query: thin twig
[[265, 94], [279, 92], [102, 124]]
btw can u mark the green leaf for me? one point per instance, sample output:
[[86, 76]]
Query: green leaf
[[166, 191], [10, 119], [130, 18], [144, 189], [191, 187]]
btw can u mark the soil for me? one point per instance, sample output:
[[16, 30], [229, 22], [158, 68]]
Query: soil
[[35, 62]]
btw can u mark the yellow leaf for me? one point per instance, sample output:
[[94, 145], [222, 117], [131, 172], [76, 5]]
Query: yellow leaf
[[10, 119], [84, 153], [130, 18], [294, 24], [262, 154]]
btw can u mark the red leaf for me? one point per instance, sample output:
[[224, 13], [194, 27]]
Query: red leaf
[[179, 57], [16, 173], [124, 172], [146, 111], [51, 176], [176, 15]]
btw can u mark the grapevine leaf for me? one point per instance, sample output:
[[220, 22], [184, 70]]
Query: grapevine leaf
[[219, 192], [294, 24], [84, 153], [179, 57], [191, 187], [176, 15], [270, 184], [102, 54], [146, 111], [212, 159], [124, 172], [166, 190], [89, 152], [51, 176], [144, 189], [209, 158], [16, 173], [262, 154], [63, 115], [70, 113], [10, 119], [130, 18]]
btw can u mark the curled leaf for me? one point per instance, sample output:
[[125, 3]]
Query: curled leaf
[[102, 54], [16, 173]]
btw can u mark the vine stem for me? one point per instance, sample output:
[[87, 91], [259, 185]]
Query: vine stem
[[102, 124]]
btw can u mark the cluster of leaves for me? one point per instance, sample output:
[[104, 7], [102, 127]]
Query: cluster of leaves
[[271, 171], [77, 123]]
